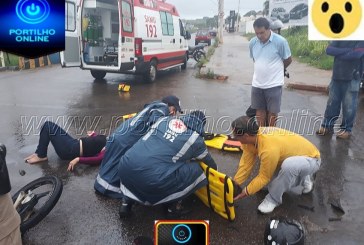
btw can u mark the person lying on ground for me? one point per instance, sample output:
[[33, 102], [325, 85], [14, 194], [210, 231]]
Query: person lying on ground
[[296, 159], [86, 150], [107, 181], [163, 166]]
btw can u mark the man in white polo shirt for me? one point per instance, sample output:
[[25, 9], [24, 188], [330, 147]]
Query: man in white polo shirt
[[271, 55]]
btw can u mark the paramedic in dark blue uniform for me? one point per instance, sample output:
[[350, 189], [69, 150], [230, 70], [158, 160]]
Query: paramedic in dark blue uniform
[[163, 166], [107, 181]]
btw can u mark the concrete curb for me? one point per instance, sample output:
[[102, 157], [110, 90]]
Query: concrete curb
[[9, 68], [204, 74], [307, 87]]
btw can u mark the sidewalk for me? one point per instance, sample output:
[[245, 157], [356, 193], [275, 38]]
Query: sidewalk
[[232, 59]]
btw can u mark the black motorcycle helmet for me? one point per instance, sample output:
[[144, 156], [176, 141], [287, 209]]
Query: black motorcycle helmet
[[283, 231]]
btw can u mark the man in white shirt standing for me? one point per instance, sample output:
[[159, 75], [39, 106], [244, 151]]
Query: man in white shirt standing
[[271, 55]]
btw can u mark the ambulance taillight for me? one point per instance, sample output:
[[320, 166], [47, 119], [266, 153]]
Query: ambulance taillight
[[138, 47]]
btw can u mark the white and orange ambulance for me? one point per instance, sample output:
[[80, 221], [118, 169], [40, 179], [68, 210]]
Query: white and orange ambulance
[[124, 36]]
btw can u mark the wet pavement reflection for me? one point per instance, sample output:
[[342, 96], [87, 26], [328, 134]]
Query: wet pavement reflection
[[75, 99]]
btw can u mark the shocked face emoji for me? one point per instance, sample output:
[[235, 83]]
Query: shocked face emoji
[[336, 18]]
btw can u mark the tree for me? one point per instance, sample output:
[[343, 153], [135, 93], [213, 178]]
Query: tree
[[250, 13], [266, 8]]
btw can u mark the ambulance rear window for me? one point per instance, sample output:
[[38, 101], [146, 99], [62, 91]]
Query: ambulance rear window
[[126, 15], [167, 23], [71, 16]]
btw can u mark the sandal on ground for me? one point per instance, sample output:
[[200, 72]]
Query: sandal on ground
[[36, 159]]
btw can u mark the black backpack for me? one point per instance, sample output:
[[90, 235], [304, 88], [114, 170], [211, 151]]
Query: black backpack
[[283, 231], [4, 176]]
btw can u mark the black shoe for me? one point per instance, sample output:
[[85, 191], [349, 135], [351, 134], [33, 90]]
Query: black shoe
[[125, 208], [176, 210]]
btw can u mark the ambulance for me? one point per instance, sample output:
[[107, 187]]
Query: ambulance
[[124, 36]]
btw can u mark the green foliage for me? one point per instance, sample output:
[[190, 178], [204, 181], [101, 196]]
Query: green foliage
[[216, 42], [11, 59], [249, 36], [202, 62], [206, 23], [311, 52], [210, 74], [210, 52]]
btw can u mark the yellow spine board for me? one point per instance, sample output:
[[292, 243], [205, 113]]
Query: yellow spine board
[[126, 117], [221, 196], [217, 141], [222, 142]]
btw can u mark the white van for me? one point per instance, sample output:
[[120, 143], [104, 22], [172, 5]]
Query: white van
[[124, 36]]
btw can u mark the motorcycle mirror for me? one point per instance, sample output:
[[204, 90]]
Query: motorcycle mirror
[[188, 35]]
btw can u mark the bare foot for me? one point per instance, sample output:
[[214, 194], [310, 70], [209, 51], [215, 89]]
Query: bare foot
[[36, 159], [34, 154]]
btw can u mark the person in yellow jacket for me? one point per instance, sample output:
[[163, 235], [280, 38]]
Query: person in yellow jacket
[[294, 158]]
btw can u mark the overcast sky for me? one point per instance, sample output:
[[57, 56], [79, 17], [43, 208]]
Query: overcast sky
[[195, 9]]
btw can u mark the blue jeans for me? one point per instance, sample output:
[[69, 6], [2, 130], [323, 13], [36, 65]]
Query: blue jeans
[[342, 93], [67, 148]]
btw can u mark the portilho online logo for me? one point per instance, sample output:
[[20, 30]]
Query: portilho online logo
[[32, 11]]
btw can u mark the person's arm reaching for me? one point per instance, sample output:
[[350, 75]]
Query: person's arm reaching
[[157, 113], [246, 164], [201, 153], [209, 161], [95, 160], [355, 54], [334, 50], [268, 165]]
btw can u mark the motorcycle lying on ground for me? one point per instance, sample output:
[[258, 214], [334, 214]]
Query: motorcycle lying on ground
[[196, 52], [35, 200]]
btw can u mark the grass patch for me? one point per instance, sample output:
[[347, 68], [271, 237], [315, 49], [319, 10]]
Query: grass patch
[[304, 50], [210, 52], [11, 59], [210, 74], [249, 35], [310, 52]]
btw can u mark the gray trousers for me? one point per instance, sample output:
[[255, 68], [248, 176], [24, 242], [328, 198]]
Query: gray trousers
[[292, 174]]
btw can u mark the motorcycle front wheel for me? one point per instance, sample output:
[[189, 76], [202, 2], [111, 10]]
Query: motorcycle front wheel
[[47, 191], [199, 55]]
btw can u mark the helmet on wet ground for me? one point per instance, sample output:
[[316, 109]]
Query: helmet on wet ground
[[283, 231]]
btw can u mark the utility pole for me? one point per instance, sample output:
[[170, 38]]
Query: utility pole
[[237, 17], [221, 21], [2, 59]]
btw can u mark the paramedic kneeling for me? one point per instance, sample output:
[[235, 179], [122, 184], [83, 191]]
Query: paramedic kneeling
[[295, 157]]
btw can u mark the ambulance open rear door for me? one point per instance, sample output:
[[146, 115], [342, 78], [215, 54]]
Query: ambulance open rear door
[[71, 56]]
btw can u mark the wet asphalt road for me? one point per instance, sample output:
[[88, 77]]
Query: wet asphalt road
[[76, 100]]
